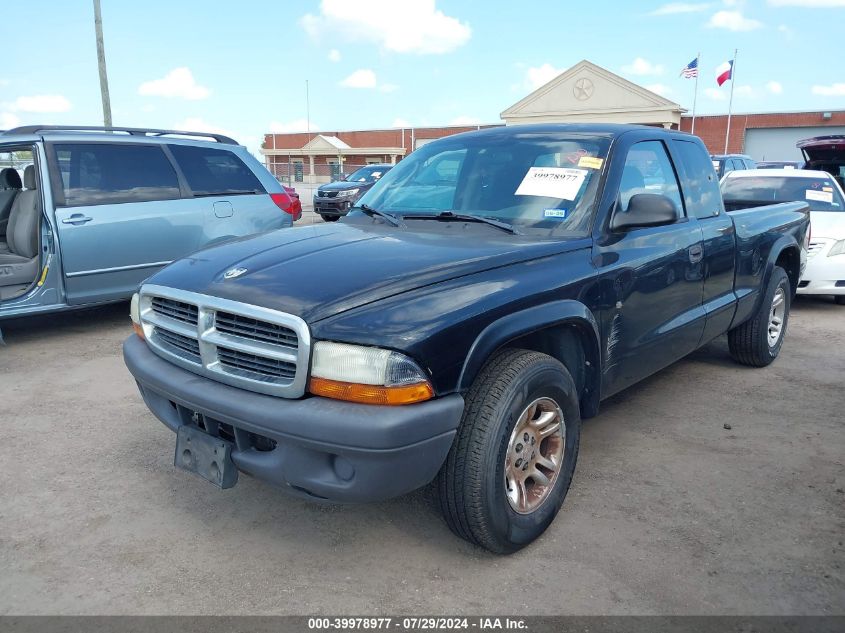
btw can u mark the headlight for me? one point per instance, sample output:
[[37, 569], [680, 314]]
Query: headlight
[[366, 374], [135, 315], [348, 193], [837, 249]]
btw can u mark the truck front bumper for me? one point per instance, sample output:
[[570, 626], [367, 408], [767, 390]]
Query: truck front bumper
[[315, 447]]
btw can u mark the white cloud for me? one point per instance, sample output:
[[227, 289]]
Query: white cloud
[[334, 55], [659, 89], [808, 4], [787, 32], [5, 82], [642, 66], [410, 26], [296, 125], [198, 124], [400, 122], [388, 88], [733, 21], [179, 83], [715, 94], [537, 76], [40, 104], [8, 120], [833, 90], [744, 91], [674, 8], [363, 78], [465, 120], [774, 87]]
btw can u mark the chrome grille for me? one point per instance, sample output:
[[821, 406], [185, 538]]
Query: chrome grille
[[177, 310], [238, 344], [247, 327], [178, 344], [266, 368], [815, 247]]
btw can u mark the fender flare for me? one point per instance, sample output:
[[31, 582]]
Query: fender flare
[[553, 314], [783, 243]]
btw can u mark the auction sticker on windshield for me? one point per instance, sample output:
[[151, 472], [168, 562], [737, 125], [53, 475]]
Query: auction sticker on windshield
[[819, 196], [552, 182]]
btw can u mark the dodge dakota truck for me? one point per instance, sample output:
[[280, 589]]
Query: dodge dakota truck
[[458, 325]]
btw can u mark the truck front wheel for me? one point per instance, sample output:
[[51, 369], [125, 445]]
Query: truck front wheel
[[512, 461], [757, 342]]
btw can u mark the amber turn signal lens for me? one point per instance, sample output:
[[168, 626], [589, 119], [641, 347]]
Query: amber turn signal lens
[[371, 394], [138, 330]]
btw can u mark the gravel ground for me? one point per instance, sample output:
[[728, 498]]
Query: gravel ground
[[669, 513]]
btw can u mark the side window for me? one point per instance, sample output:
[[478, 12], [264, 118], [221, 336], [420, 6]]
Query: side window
[[737, 164], [649, 170], [701, 186], [211, 171], [750, 164], [106, 173]]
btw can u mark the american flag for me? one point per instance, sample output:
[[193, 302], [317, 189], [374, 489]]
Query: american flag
[[690, 70]]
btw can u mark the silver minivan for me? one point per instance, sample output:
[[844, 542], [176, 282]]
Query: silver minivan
[[87, 213]]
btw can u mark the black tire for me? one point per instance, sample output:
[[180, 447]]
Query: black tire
[[749, 343], [840, 300], [330, 218], [471, 484]]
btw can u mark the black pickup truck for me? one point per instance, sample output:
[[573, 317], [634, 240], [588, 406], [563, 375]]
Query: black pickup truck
[[478, 303]]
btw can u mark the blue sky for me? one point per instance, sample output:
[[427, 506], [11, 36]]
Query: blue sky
[[241, 67]]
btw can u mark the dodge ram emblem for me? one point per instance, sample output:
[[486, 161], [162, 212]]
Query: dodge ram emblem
[[234, 272]]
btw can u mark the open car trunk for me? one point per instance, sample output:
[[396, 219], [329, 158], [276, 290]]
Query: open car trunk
[[825, 153]]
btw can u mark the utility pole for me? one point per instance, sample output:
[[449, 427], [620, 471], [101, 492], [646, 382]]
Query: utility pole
[[101, 63]]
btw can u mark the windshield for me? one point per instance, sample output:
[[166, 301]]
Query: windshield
[[536, 181], [367, 174], [820, 193]]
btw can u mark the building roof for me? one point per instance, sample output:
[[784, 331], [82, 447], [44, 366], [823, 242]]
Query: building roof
[[587, 92]]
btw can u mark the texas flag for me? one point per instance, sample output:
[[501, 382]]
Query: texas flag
[[723, 72]]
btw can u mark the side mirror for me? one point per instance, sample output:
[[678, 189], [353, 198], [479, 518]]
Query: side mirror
[[645, 209]]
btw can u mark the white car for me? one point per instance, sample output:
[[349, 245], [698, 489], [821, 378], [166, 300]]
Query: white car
[[825, 272]]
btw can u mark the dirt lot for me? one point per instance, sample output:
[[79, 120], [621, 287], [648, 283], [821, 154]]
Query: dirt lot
[[669, 511]]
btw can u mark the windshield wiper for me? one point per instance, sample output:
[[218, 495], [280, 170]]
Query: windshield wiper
[[464, 217], [371, 212]]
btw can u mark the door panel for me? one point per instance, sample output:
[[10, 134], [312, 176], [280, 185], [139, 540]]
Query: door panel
[[108, 250], [652, 279], [719, 263]]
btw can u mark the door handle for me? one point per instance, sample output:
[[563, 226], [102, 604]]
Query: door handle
[[77, 219], [696, 253]]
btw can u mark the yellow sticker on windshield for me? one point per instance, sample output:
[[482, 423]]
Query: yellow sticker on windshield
[[591, 161], [830, 189]]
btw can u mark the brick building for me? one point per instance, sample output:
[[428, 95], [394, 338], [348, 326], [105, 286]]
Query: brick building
[[583, 93]]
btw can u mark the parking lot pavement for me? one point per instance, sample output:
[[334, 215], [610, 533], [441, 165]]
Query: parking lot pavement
[[669, 512]]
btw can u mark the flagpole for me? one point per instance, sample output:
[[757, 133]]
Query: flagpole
[[695, 94], [730, 103]]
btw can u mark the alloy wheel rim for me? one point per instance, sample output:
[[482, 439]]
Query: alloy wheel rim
[[535, 455], [776, 316]]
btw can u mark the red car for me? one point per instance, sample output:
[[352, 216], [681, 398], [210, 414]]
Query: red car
[[297, 204]]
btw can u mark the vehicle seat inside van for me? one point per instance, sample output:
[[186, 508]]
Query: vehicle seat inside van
[[19, 254], [10, 187]]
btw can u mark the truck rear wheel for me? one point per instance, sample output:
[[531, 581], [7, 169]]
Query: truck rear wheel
[[757, 342], [512, 461]]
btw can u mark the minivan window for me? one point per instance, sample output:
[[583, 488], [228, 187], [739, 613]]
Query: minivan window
[[701, 190], [212, 172], [111, 173]]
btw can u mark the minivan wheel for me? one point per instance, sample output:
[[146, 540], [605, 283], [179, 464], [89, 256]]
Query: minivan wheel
[[512, 460], [840, 300], [757, 342], [329, 218]]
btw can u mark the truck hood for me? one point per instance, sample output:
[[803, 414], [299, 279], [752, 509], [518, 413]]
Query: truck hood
[[344, 185], [322, 270]]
